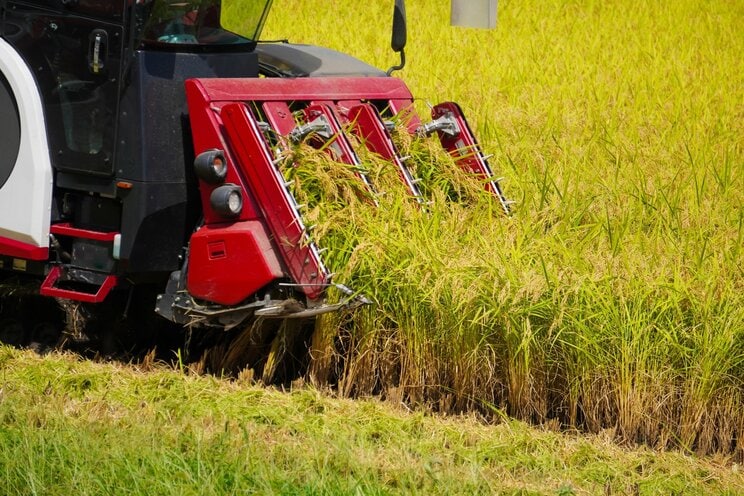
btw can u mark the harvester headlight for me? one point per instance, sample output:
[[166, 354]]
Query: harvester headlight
[[211, 166], [227, 200]]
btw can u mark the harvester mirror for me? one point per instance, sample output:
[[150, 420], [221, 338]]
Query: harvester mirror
[[398, 42]]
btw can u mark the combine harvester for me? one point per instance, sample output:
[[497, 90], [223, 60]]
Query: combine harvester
[[138, 173]]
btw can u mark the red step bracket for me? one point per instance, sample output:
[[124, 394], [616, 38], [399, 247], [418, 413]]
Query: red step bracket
[[66, 229], [48, 288]]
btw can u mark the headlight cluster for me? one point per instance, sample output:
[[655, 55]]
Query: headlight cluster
[[211, 167]]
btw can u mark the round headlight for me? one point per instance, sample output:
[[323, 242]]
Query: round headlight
[[234, 202], [211, 166], [227, 200]]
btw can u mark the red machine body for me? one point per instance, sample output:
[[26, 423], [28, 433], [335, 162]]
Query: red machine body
[[230, 262], [223, 116]]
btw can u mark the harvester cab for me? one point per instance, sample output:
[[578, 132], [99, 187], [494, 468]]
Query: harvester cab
[[140, 141]]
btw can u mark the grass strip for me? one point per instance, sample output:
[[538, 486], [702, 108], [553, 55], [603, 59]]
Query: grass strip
[[71, 426]]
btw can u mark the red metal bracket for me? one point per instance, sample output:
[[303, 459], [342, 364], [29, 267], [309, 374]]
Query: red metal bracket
[[280, 117], [266, 182], [338, 143], [66, 229], [48, 288]]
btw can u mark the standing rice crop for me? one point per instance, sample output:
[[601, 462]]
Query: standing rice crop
[[614, 296]]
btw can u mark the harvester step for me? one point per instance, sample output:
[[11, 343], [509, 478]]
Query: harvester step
[[66, 229], [49, 288]]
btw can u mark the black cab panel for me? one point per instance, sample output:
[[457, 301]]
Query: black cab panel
[[76, 61]]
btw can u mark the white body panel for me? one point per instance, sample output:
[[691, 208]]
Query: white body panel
[[26, 198]]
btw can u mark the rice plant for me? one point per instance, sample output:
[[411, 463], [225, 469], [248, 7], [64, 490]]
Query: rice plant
[[613, 298]]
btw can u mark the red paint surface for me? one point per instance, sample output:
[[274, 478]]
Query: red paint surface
[[465, 149], [228, 263], [66, 229], [367, 124], [267, 185], [12, 248], [48, 288]]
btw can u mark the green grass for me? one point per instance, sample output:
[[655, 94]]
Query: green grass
[[71, 426], [614, 297]]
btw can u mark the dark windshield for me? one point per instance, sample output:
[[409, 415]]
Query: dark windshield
[[201, 22]]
